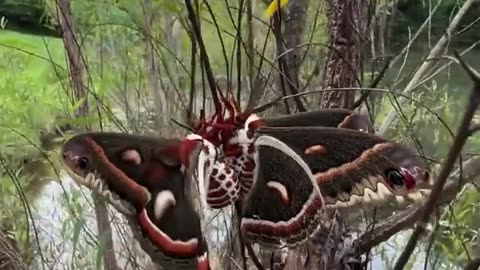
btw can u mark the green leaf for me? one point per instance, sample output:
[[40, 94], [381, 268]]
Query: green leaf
[[77, 104]]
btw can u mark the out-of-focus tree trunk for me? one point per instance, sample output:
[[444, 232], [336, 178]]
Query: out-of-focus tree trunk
[[346, 33], [289, 63], [152, 71], [347, 22], [294, 34], [78, 83]]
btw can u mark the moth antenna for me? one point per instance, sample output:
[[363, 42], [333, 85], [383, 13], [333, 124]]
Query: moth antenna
[[266, 106], [218, 100], [182, 125]]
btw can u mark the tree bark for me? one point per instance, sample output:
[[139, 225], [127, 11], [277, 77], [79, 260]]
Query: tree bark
[[346, 33], [79, 87], [294, 33], [152, 71]]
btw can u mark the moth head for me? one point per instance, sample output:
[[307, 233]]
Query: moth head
[[410, 173], [400, 179], [78, 156]]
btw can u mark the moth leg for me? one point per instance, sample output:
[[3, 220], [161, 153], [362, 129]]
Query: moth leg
[[223, 186], [218, 182]]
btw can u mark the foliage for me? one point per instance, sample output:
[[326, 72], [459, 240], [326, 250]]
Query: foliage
[[33, 97]]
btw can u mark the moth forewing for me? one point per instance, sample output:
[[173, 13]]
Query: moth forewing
[[353, 168]]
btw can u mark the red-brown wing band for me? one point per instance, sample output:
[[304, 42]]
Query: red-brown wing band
[[284, 203], [352, 167], [137, 194], [163, 241]]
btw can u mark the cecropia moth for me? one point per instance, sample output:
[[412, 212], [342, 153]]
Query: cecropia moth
[[143, 178], [287, 170], [283, 171]]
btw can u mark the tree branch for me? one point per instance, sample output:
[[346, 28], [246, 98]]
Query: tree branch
[[203, 54], [373, 84], [460, 139], [434, 53]]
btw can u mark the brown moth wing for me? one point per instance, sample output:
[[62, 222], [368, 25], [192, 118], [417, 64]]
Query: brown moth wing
[[352, 167], [341, 118], [284, 204], [145, 172]]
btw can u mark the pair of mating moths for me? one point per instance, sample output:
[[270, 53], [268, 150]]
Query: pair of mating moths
[[283, 173]]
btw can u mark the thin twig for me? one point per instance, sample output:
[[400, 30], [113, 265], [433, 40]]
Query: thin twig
[[458, 143], [253, 256], [435, 52], [374, 84], [203, 54]]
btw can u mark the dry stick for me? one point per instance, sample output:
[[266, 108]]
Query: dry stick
[[373, 84], [254, 257], [416, 35], [460, 139], [203, 55], [435, 52]]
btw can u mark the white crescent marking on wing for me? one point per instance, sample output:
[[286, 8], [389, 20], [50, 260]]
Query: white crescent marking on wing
[[164, 200], [191, 241], [133, 156], [277, 144], [266, 140], [280, 188]]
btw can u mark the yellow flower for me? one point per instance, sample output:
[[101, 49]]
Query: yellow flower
[[273, 7]]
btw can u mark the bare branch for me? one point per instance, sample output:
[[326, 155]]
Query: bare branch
[[458, 143], [9, 256], [374, 84], [435, 52], [203, 54], [474, 129]]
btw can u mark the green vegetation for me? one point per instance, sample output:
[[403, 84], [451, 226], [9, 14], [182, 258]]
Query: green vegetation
[[35, 99]]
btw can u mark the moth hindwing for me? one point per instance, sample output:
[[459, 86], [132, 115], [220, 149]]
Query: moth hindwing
[[284, 205]]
